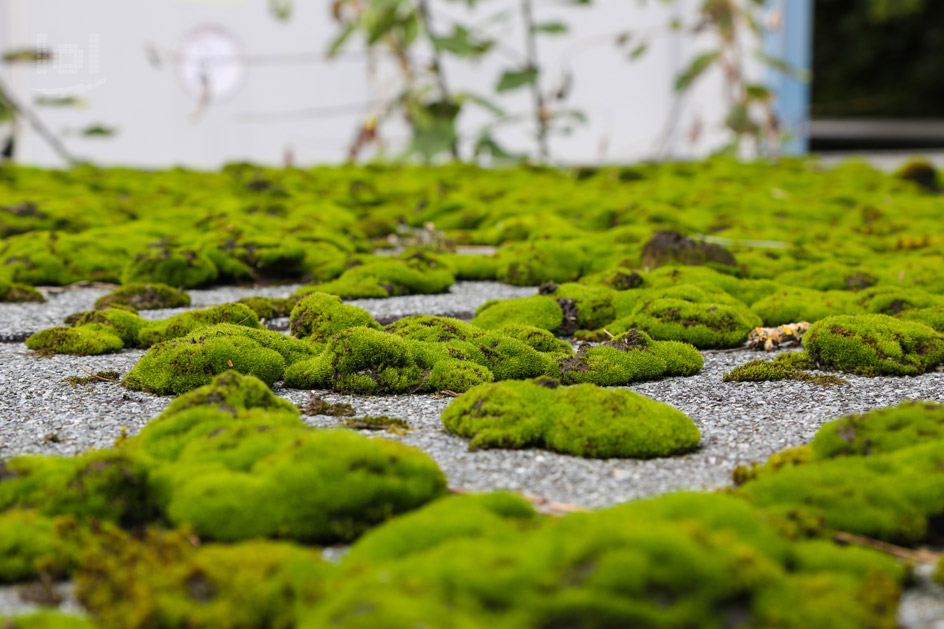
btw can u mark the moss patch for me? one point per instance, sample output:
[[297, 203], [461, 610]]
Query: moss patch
[[790, 366], [874, 345], [319, 316], [85, 341], [98, 376], [145, 297], [185, 363], [583, 420], [393, 425], [186, 322], [538, 311], [316, 406]]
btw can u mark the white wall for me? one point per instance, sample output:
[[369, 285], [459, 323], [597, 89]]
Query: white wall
[[628, 104]]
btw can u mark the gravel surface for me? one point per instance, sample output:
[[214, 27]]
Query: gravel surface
[[15, 599], [740, 422]]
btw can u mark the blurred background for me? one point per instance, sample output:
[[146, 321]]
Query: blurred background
[[199, 83]]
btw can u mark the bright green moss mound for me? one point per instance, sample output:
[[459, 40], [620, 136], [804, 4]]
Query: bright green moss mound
[[31, 544], [680, 561], [84, 341], [12, 292], [164, 581], [270, 307], [387, 277], [631, 357], [879, 474], [931, 317], [880, 431], [46, 620], [104, 484], [874, 345], [232, 461], [584, 420], [125, 325], [186, 322], [801, 304], [182, 364], [704, 325], [172, 266], [145, 297], [433, 329], [320, 316], [538, 311], [789, 366]]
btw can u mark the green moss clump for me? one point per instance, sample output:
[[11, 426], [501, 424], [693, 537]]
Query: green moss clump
[[31, 544], [891, 496], [231, 392], [145, 297], [483, 561], [879, 474], [880, 431], [270, 307], [164, 581], [386, 277], [85, 341], [363, 360], [433, 329], [789, 366], [892, 300], [801, 304], [123, 324], [589, 307], [628, 358], [12, 292], [475, 268], [316, 406], [393, 425], [172, 266], [319, 316], [681, 359], [704, 325], [584, 420], [538, 311], [932, 317], [539, 261], [185, 363], [874, 345], [46, 620], [538, 339], [108, 485], [236, 481], [186, 322]]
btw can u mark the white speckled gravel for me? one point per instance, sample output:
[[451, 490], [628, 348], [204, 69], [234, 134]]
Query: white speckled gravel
[[11, 602], [740, 422]]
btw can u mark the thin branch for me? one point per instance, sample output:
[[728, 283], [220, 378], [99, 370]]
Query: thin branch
[[907, 554], [540, 113], [48, 136], [438, 68], [96, 376]]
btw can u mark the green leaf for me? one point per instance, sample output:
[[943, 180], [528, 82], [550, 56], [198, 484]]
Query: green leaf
[[757, 92], [59, 101], [434, 128], [281, 9], [783, 66], [698, 65], [26, 55], [484, 103], [341, 39], [461, 43], [513, 79], [639, 50], [487, 145], [550, 28], [98, 131]]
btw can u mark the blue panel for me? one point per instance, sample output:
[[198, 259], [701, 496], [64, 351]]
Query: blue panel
[[793, 43]]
